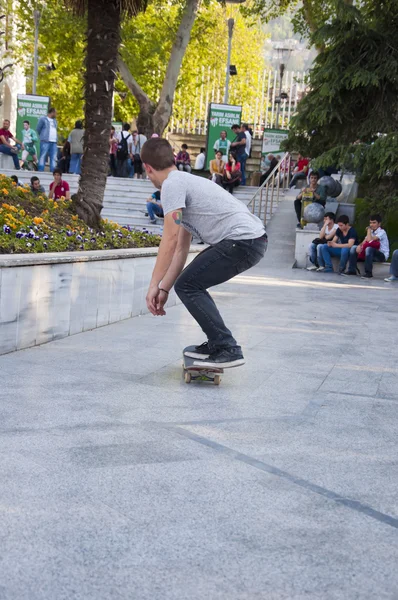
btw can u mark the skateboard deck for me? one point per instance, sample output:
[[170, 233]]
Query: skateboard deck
[[196, 372]]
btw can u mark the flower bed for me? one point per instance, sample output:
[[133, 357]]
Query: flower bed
[[33, 224]]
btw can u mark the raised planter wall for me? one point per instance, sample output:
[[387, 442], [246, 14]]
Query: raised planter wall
[[44, 297]]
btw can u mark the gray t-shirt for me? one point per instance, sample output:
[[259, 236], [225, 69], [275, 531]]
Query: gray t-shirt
[[208, 211]]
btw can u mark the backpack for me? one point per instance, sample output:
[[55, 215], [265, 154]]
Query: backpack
[[122, 148]]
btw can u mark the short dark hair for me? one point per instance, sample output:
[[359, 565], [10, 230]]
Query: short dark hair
[[331, 215], [27, 122], [203, 149], [79, 125], [245, 125], [14, 178], [235, 126], [126, 126], [314, 174], [112, 127], [184, 146], [33, 179], [217, 151], [158, 154], [375, 217], [51, 110], [343, 219], [57, 171]]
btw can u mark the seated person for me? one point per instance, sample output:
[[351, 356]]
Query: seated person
[[346, 237], [35, 187], [326, 234], [6, 147], [183, 160], [232, 175], [154, 207], [273, 161], [15, 180], [374, 248], [59, 188], [318, 193], [300, 171], [393, 267], [200, 160], [217, 168]]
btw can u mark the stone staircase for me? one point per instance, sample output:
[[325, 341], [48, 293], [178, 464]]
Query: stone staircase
[[124, 199], [195, 142]]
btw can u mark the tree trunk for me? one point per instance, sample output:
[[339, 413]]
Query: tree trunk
[[154, 118], [103, 40]]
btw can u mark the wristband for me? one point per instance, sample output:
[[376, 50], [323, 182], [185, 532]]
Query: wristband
[[162, 290]]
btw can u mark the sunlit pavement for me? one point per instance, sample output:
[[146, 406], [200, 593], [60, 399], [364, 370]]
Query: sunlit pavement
[[120, 481]]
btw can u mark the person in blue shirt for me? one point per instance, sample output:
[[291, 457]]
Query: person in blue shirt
[[154, 207], [346, 237]]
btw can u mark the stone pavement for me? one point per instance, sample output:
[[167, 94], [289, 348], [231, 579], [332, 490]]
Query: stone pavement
[[121, 482]]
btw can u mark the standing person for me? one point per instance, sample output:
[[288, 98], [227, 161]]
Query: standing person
[[246, 131], [48, 136], [237, 241], [29, 138], [232, 174], [76, 147], [59, 188], [6, 147], [340, 246], [300, 171], [63, 161], [217, 168], [139, 140], [393, 268], [374, 248], [113, 142], [183, 160], [35, 186], [224, 145], [124, 150], [239, 146]]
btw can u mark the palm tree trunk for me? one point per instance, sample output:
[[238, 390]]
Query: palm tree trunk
[[103, 40]]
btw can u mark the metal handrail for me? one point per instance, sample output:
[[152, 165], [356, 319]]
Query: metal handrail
[[270, 182]]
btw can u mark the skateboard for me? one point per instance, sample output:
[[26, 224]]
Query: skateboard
[[196, 373]]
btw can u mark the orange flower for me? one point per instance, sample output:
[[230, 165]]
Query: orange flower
[[37, 220], [22, 212], [7, 206], [75, 218], [13, 183], [55, 204], [45, 212], [5, 192]]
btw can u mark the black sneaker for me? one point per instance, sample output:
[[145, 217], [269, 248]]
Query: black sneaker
[[351, 273], [366, 276], [202, 351], [222, 359]]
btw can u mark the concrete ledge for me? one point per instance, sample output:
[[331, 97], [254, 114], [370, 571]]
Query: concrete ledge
[[44, 297]]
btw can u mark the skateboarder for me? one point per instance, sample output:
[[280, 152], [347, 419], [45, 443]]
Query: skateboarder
[[237, 241]]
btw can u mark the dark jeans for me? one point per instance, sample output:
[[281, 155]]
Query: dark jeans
[[7, 150], [371, 255], [242, 158], [296, 177], [394, 264], [122, 168], [112, 164], [230, 186], [213, 266]]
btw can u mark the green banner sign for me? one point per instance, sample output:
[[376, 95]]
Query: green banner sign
[[221, 117], [30, 108], [272, 140]]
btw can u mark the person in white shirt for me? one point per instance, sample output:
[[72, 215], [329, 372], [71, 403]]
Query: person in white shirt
[[245, 128], [326, 234], [375, 236], [200, 160]]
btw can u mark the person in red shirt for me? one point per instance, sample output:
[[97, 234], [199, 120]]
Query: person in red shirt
[[233, 174], [59, 188], [6, 147], [300, 170], [183, 160]]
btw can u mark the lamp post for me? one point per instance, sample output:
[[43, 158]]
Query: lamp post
[[284, 53], [36, 17], [231, 23]]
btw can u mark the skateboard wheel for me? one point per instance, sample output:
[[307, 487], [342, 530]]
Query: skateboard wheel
[[217, 380], [188, 378]]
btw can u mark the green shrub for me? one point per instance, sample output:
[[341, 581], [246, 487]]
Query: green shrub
[[31, 224]]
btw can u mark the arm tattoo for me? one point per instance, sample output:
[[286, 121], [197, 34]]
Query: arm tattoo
[[177, 216]]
